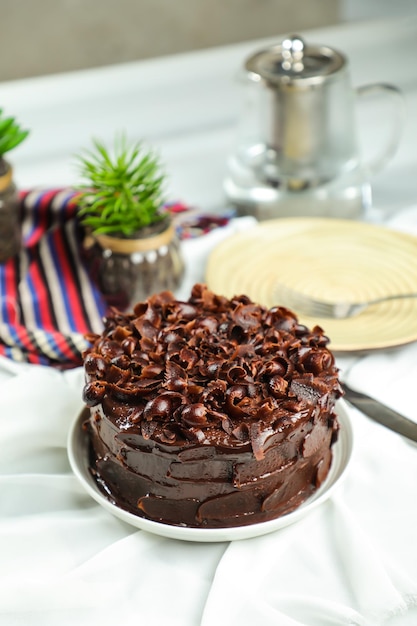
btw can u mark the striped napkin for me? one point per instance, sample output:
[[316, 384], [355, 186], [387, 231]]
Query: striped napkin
[[47, 301]]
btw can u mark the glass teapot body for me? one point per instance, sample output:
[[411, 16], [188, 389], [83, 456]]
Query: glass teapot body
[[297, 148]]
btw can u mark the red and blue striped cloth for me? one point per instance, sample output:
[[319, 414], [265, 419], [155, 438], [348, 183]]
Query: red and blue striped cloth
[[47, 301]]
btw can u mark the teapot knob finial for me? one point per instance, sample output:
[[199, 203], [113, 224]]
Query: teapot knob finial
[[293, 54]]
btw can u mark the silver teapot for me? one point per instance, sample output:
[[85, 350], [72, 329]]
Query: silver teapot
[[297, 151]]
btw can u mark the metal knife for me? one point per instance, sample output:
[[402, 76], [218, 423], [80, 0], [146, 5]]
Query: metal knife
[[381, 413]]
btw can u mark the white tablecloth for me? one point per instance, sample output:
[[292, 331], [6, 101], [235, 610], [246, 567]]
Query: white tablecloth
[[65, 560]]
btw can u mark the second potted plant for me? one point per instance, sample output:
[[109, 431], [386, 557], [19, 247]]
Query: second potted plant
[[11, 135], [131, 246]]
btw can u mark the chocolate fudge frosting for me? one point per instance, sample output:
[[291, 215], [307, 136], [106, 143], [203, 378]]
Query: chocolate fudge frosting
[[210, 412]]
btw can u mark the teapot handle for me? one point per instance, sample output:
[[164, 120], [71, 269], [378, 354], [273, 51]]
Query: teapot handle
[[378, 163]]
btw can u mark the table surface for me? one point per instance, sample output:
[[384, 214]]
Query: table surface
[[70, 560]]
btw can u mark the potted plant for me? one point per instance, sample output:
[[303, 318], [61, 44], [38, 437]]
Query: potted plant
[[130, 245], [11, 135]]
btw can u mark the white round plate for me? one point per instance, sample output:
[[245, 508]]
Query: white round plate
[[342, 451]]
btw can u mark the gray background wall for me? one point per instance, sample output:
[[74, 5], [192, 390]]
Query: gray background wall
[[47, 36]]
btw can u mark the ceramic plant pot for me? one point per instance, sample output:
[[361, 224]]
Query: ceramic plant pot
[[129, 269], [10, 230]]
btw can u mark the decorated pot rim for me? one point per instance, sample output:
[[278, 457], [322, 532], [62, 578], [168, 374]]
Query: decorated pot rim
[[128, 245]]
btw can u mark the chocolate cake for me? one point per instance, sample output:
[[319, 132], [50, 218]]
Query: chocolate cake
[[210, 412]]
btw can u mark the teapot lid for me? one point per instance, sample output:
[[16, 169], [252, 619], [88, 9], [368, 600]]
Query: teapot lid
[[293, 61]]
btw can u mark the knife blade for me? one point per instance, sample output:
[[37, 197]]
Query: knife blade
[[381, 413]]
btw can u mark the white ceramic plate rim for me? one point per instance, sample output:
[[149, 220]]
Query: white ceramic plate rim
[[342, 453]]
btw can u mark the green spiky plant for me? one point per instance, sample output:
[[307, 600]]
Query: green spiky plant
[[122, 192], [11, 135]]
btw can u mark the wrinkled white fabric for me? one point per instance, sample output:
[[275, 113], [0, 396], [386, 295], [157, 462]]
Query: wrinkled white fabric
[[65, 560]]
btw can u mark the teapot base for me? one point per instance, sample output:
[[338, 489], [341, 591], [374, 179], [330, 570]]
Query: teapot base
[[330, 200]]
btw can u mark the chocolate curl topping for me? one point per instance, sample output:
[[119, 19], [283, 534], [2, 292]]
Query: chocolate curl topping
[[208, 363]]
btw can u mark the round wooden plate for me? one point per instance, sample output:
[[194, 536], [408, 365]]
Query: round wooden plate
[[331, 259]]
